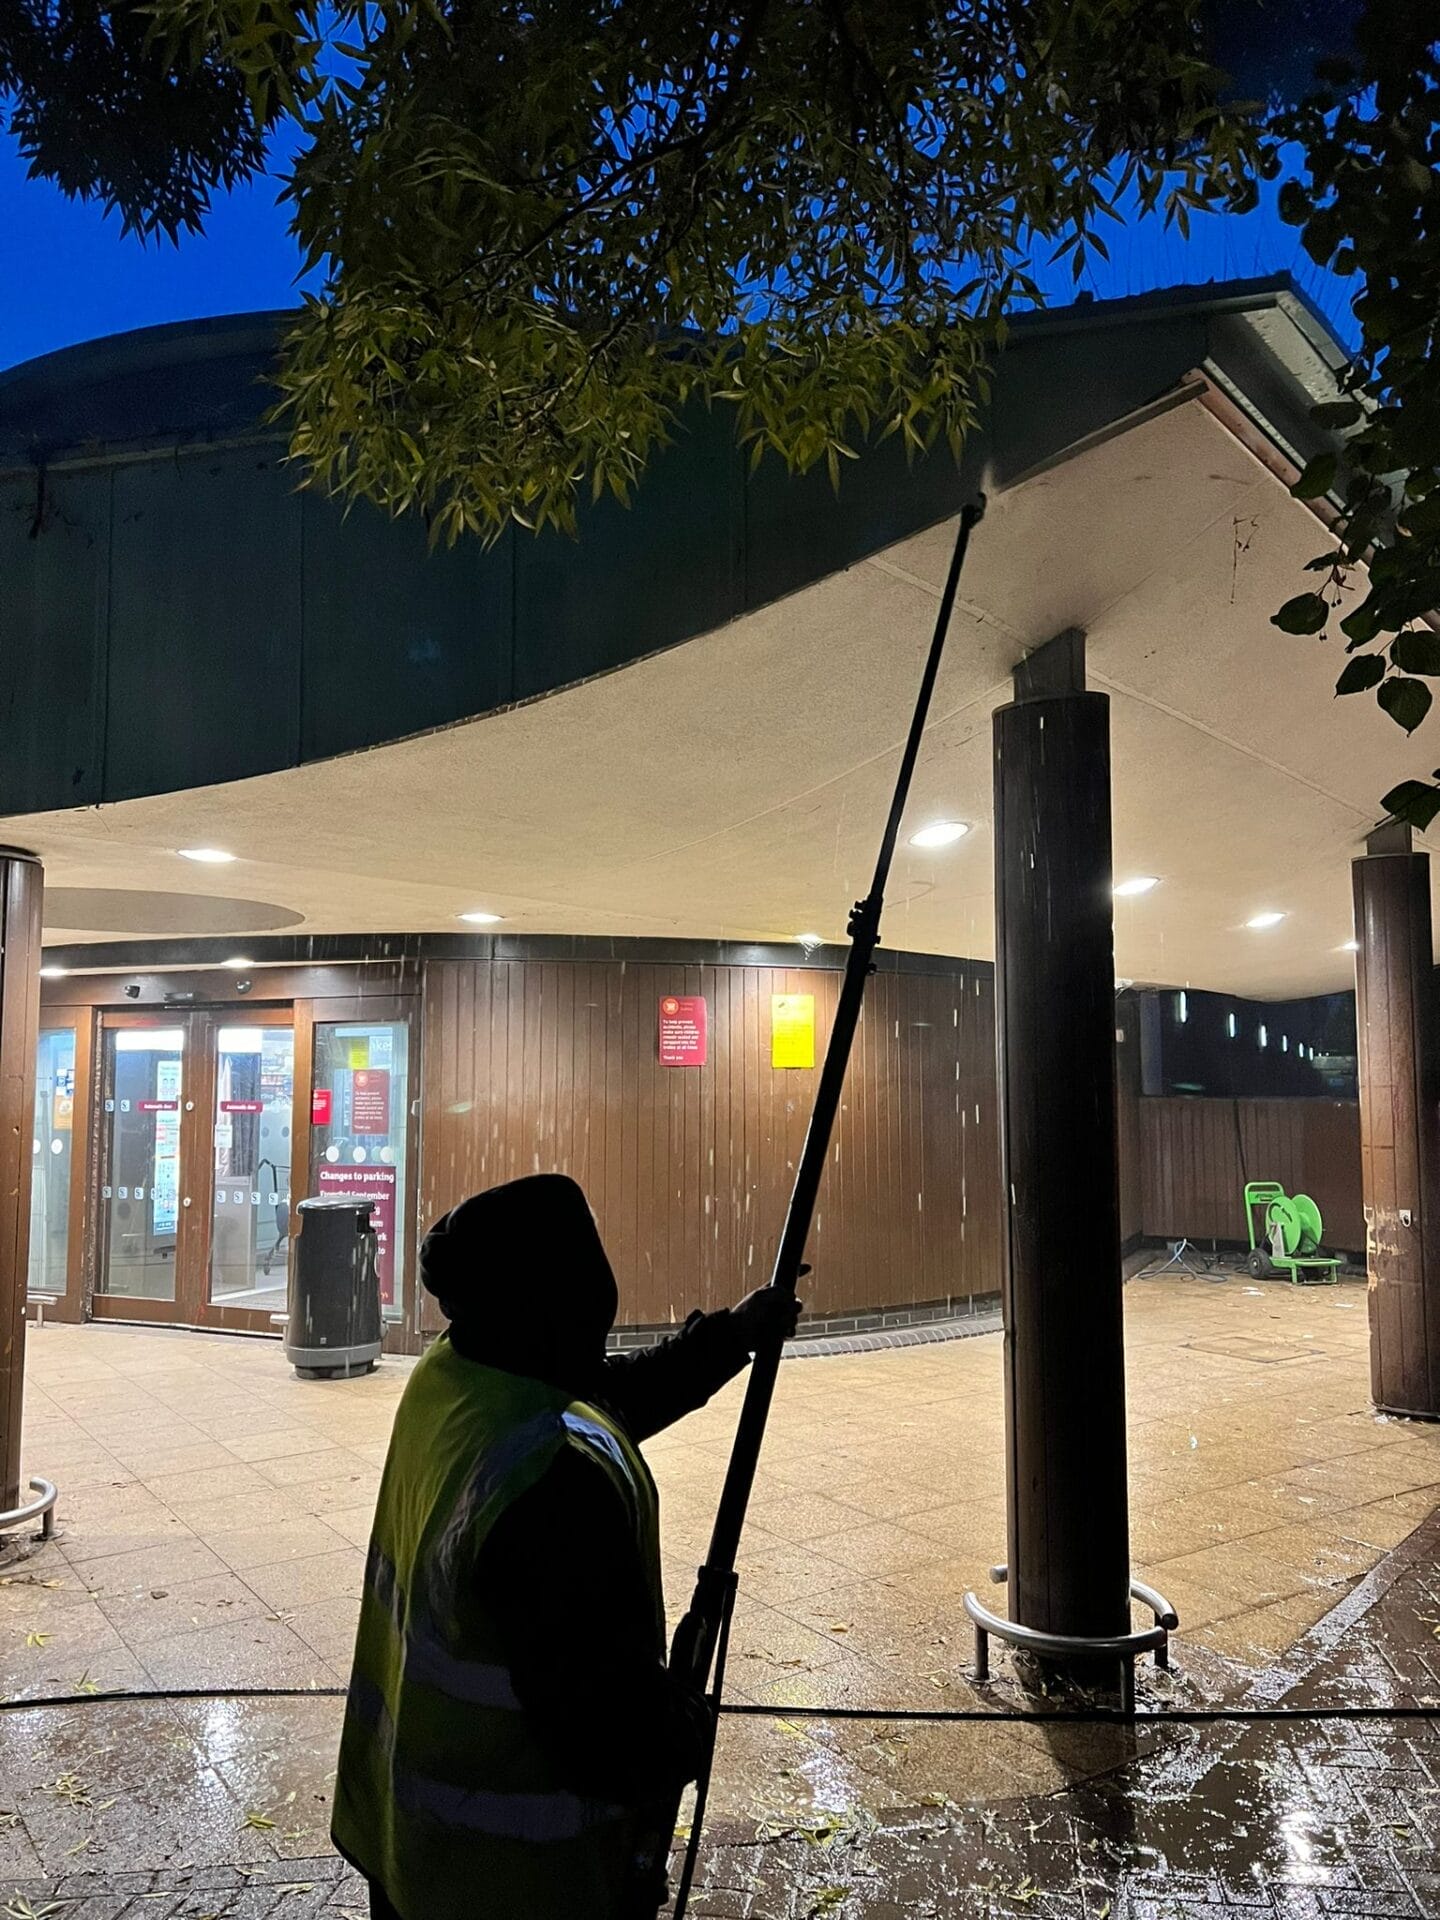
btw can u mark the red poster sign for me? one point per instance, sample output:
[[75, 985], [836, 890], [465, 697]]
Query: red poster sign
[[376, 1184], [158, 1106], [684, 1030], [322, 1101], [370, 1100], [242, 1106]]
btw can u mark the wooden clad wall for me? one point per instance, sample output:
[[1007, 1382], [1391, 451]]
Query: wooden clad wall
[[1198, 1154], [551, 1065]]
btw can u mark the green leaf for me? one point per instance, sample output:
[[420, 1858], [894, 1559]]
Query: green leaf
[[1413, 801], [1306, 613], [1417, 651], [1361, 625], [1406, 701], [1421, 518], [1337, 413], [1362, 674], [1293, 204], [1318, 477]]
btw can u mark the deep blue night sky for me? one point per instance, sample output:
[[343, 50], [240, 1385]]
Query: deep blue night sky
[[68, 275]]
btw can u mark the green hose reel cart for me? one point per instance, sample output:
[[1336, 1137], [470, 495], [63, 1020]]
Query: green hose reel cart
[[1288, 1236]]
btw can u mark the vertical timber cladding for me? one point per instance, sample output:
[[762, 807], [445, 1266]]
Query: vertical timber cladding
[[552, 1065], [1196, 1155]]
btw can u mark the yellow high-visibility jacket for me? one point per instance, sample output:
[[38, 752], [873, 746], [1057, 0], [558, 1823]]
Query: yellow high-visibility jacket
[[444, 1797]]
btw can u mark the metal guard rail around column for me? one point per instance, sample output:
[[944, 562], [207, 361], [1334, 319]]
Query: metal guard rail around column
[[1126, 1647], [41, 1508]]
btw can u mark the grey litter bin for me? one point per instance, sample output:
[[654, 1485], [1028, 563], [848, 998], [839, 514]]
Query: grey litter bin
[[333, 1325]]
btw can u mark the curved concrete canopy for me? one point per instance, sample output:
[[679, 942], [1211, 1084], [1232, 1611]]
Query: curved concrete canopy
[[175, 614], [734, 786]]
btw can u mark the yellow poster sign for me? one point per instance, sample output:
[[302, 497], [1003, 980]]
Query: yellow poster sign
[[792, 1029]]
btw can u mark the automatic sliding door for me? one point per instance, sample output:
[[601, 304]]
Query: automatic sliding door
[[254, 1069], [141, 1186]]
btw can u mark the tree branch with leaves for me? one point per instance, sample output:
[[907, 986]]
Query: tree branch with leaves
[[547, 229]]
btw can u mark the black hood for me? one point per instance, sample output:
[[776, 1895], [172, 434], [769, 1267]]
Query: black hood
[[521, 1274]]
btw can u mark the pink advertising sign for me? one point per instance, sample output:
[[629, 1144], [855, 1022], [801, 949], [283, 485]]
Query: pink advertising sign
[[376, 1184], [370, 1100], [684, 1030]]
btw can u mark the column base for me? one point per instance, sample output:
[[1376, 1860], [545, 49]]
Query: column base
[[1088, 1648], [41, 1508]]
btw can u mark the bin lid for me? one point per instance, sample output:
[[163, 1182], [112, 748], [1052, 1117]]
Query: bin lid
[[335, 1202]]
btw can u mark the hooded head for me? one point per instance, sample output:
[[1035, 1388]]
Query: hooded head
[[521, 1274]]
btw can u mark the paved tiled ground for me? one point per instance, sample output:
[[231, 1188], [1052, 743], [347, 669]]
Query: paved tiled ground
[[214, 1510], [1234, 1821]]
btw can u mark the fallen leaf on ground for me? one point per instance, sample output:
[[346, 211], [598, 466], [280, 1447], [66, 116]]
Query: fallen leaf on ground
[[34, 1638], [829, 1899], [70, 1788], [261, 1822], [20, 1909]]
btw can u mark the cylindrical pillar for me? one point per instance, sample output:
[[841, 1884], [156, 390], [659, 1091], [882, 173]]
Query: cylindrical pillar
[[1069, 1546], [21, 884], [1399, 1061]]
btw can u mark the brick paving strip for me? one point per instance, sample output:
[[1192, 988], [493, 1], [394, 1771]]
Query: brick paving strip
[[1231, 1821], [1228, 1821]]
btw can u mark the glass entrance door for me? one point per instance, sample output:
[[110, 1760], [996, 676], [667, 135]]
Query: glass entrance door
[[254, 1072], [194, 1168], [142, 1083]]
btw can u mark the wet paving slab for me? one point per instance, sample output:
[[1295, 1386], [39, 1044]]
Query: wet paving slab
[[1264, 1490], [1333, 1813], [211, 1807]]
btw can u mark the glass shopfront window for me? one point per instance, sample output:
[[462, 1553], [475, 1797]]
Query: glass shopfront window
[[359, 1115], [50, 1166]]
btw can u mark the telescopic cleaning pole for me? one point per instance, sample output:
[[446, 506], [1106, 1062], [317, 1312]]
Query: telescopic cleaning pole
[[698, 1651]]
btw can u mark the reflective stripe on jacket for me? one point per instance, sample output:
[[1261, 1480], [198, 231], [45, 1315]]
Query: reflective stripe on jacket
[[444, 1796]]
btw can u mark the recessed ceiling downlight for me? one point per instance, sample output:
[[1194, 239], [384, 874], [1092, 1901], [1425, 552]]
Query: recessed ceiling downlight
[[1142, 883], [940, 833], [1260, 921], [480, 919], [207, 856]]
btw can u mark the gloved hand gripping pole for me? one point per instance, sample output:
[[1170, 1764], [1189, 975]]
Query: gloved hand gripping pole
[[697, 1652]]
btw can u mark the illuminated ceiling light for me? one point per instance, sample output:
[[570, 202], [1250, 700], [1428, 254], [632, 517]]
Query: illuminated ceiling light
[[1142, 883], [53, 973], [480, 919], [1264, 1038], [1230, 1025], [207, 856], [238, 963], [810, 941], [940, 833], [1182, 1007], [1262, 920], [1350, 946]]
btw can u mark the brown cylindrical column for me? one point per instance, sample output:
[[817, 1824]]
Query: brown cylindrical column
[[21, 885], [1399, 1061], [1069, 1551]]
